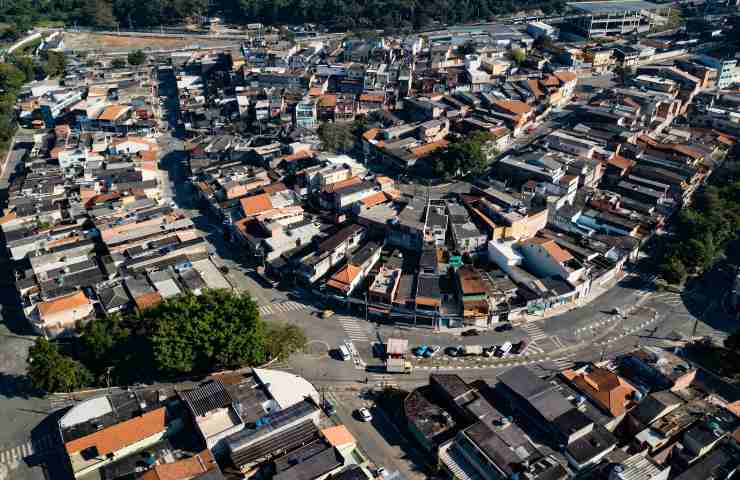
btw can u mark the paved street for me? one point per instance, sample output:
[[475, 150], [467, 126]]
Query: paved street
[[22, 411]]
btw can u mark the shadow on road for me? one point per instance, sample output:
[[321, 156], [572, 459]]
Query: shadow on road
[[17, 386]]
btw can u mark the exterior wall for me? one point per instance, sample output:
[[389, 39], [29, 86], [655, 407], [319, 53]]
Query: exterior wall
[[129, 450]]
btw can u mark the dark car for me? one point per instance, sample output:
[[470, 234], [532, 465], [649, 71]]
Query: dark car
[[504, 328], [452, 351], [470, 333], [519, 347]]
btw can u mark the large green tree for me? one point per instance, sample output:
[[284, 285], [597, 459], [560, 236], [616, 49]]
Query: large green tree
[[199, 333], [337, 137], [50, 371]]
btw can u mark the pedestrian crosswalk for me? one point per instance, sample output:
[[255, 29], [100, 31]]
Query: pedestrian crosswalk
[[355, 330], [669, 298], [284, 307], [31, 447], [534, 331], [562, 363]]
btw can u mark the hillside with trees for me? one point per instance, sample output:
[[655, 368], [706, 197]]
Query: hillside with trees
[[334, 14]]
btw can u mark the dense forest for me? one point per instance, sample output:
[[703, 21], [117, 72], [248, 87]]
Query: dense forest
[[334, 14]]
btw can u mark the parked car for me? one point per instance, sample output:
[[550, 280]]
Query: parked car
[[520, 347], [504, 349], [421, 350], [327, 313], [329, 408], [344, 352], [470, 333], [489, 351], [365, 415], [504, 327], [453, 351], [432, 351]]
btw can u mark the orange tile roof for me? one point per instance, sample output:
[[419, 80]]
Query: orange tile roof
[[374, 199], [148, 300], [371, 134], [256, 204], [534, 87], [368, 97], [605, 388], [314, 92], [621, 162], [8, 217], [338, 436], [429, 148], [185, 469], [113, 112], [560, 255], [383, 180], [274, 187], [514, 106], [565, 76], [63, 304], [120, 435], [328, 101], [344, 277], [333, 187]]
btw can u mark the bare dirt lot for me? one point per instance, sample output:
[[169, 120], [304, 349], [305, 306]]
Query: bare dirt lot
[[92, 41]]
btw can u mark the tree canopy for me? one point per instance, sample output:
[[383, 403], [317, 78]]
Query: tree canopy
[[703, 232], [136, 58], [187, 334], [335, 14], [463, 156], [50, 371], [213, 330]]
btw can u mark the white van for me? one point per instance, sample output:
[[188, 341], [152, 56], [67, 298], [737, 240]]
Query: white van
[[344, 352], [505, 349]]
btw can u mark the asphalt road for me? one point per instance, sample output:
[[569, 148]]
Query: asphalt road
[[23, 411]]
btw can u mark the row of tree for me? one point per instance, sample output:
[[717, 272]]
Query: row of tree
[[335, 14], [185, 335]]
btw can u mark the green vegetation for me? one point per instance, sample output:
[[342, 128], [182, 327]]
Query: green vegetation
[[136, 58], [464, 156], [50, 371], [335, 14], [518, 55], [703, 232], [118, 63], [185, 335]]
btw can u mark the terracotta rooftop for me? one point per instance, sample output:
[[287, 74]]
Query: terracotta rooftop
[[344, 277], [514, 106], [256, 204], [374, 199], [148, 300], [120, 435], [565, 76], [605, 388], [185, 469], [63, 304], [333, 187], [113, 112], [338, 436], [620, 162]]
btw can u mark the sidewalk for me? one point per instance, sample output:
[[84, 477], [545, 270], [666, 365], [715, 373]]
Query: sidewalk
[[596, 292]]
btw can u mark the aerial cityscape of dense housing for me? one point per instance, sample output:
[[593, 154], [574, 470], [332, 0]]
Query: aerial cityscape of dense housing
[[277, 245]]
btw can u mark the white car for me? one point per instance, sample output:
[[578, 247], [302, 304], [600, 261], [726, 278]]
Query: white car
[[365, 414]]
